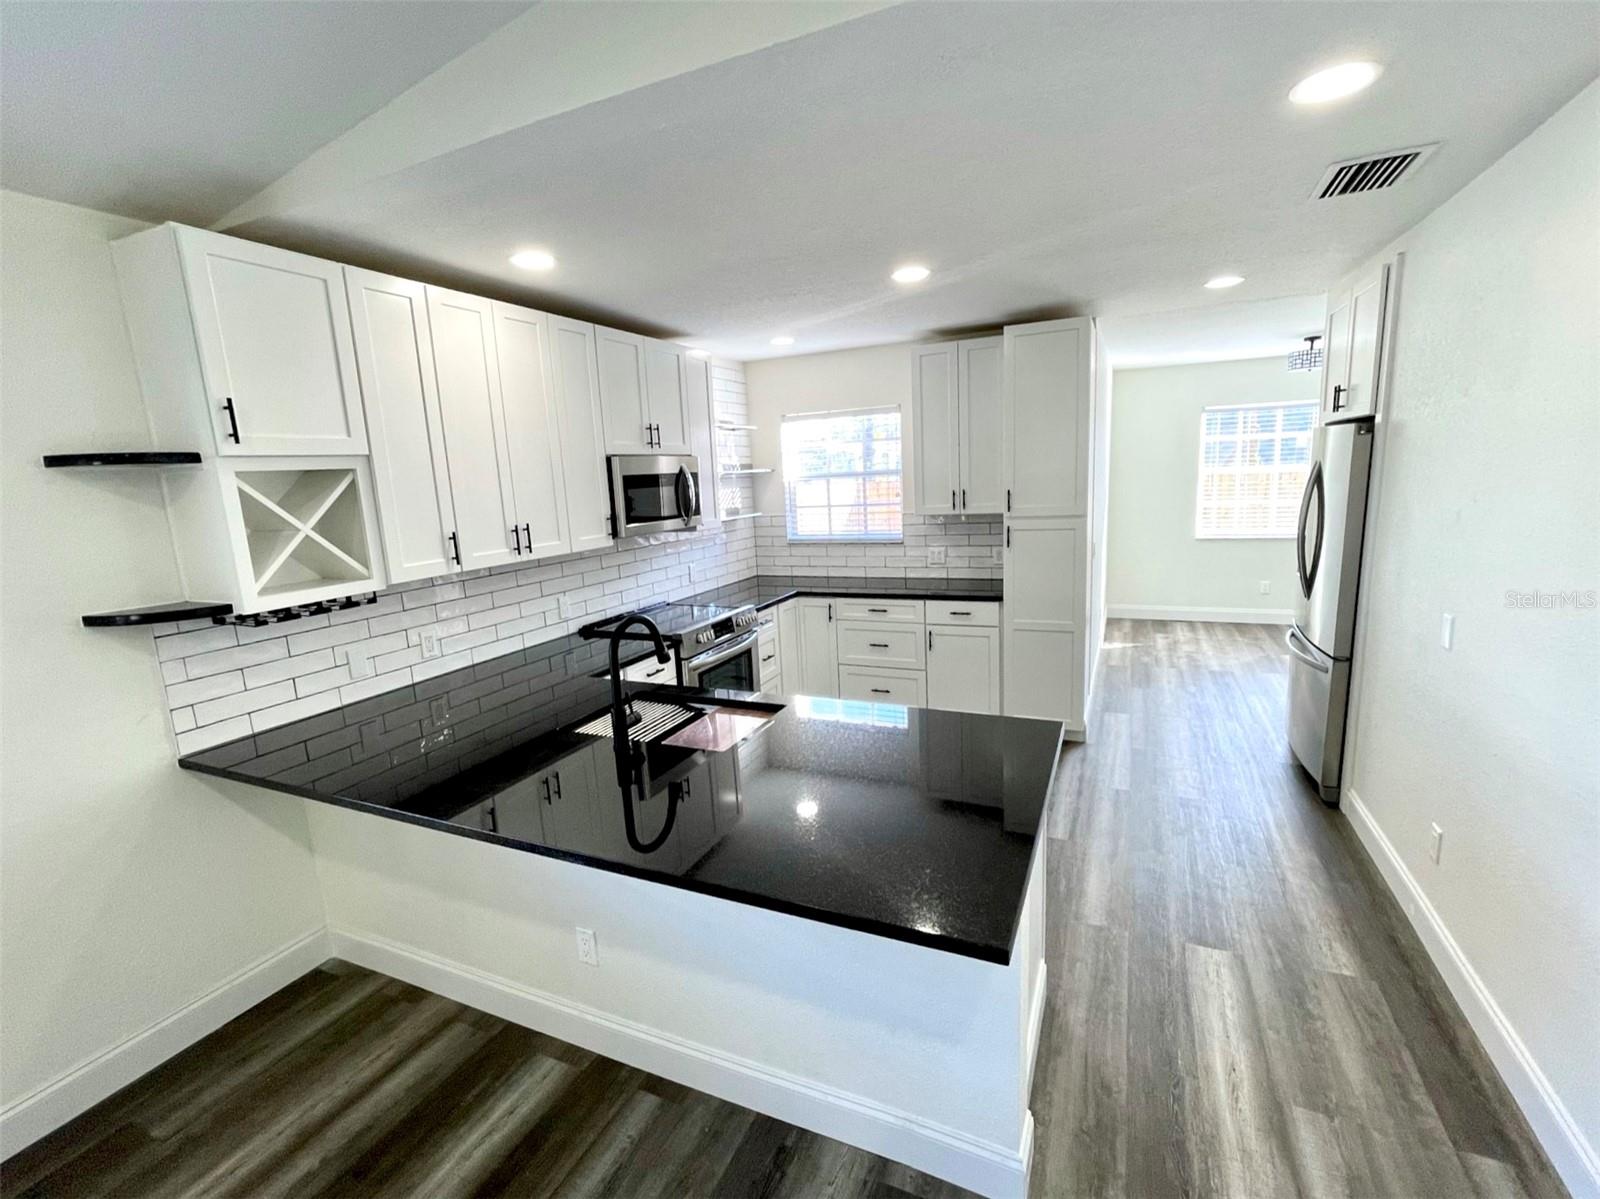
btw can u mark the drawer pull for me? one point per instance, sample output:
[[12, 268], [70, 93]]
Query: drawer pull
[[883, 610], [877, 645], [881, 691], [956, 612], [769, 657]]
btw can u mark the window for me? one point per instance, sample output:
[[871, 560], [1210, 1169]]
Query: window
[[841, 475], [1253, 464]]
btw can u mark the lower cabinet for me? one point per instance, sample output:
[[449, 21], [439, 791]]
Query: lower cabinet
[[964, 668], [769, 653], [819, 655], [789, 643], [878, 685]]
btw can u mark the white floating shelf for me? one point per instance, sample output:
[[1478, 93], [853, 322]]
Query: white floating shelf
[[735, 428], [742, 516], [744, 470]]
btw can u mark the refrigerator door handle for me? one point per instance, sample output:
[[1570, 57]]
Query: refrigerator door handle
[[1308, 570], [1294, 640]]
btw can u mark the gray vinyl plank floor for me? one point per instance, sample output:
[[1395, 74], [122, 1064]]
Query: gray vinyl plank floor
[[1236, 1008]]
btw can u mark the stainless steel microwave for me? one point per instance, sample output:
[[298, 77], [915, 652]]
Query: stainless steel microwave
[[654, 493]]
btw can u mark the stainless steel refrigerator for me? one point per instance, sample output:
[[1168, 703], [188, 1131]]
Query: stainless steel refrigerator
[[1333, 516]]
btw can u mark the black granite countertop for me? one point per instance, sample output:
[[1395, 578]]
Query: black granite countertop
[[766, 590], [907, 823]]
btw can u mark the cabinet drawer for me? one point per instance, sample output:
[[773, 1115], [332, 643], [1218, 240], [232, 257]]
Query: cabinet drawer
[[767, 619], [648, 670], [907, 687], [767, 653], [892, 611], [970, 612], [862, 644]]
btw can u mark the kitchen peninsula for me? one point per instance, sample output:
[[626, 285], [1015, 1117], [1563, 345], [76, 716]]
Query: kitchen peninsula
[[844, 928]]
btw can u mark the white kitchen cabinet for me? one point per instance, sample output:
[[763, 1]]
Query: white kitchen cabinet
[[1043, 618], [789, 643], [474, 428], [964, 667], [980, 386], [571, 791], [411, 476], [936, 423], [769, 651], [703, 438], [1353, 341], [532, 431], [518, 811], [667, 396], [1046, 417], [623, 399], [882, 611], [819, 661], [883, 685], [896, 646], [242, 349], [574, 378], [648, 670], [956, 390]]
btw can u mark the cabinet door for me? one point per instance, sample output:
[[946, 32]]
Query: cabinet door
[[624, 401], [1042, 619], [980, 384], [474, 427], [934, 414], [574, 377], [519, 810], [1367, 303], [703, 438], [409, 473], [1046, 418], [1336, 355], [819, 662], [666, 396], [789, 643], [533, 435], [896, 646], [964, 668], [569, 800], [273, 329]]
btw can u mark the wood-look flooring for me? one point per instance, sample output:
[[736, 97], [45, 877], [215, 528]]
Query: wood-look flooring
[[1236, 1008]]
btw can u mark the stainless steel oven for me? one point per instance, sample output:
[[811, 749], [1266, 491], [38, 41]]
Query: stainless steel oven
[[654, 493], [734, 664]]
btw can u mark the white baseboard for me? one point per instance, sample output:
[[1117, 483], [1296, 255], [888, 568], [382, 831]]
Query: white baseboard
[[982, 1166], [1569, 1151], [49, 1107], [1208, 615]]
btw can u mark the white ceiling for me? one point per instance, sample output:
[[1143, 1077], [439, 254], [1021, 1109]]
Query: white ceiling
[[179, 110], [1220, 332], [725, 173]]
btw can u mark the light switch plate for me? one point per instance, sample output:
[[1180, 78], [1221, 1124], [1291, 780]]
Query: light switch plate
[[563, 607], [1447, 630], [936, 555], [1435, 842], [359, 662], [430, 643]]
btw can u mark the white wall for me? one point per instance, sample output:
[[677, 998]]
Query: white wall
[[1156, 567], [1487, 482], [128, 889]]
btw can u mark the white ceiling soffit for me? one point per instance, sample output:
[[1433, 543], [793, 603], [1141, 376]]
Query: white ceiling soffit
[[1043, 159], [554, 58], [1220, 333], [180, 110]]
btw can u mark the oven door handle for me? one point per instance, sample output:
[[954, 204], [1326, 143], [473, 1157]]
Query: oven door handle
[[716, 657]]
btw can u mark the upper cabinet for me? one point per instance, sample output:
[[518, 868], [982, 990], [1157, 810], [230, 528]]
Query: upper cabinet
[[703, 438], [532, 430], [575, 388], [1353, 341], [642, 393], [955, 399], [242, 349], [1045, 425]]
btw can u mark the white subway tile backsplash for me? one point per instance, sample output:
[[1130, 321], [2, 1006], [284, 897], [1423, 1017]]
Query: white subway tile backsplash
[[326, 638], [213, 710], [212, 687], [288, 668], [235, 658], [183, 645]]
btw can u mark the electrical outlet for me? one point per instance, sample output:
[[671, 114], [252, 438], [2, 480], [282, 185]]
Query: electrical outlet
[[999, 555], [1447, 630], [430, 643], [1435, 842], [563, 607], [936, 555], [694, 572], [588, 949], [1266, 586], [359, 661]]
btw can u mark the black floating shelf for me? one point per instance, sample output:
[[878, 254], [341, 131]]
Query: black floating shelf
[[131, 458], [156, 614]]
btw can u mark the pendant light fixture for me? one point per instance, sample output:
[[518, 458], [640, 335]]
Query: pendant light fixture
[[1308, 359]]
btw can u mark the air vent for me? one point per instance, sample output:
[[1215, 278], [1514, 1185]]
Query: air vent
[[1372, 172]]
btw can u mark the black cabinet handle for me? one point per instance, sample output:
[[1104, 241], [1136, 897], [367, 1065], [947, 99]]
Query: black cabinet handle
[[959, 612], [1008, 537], [527, 534], [885, 611], [1338, 390], [880, 691], [546, 783], [1008, 499], [877, 645], [233, 419], [963, 499], [558, 784], [516, 540], [830, 613], [455, 547], [769, 657], [952, 498], [930, 640]]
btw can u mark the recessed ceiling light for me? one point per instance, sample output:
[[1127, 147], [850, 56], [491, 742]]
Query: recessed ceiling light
[[1222, 281], [534, 260], [1335, 83], [910, 273], [699, 353], [783, 341]]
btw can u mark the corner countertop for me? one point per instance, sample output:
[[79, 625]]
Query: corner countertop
[[901, 822], [766, 590]]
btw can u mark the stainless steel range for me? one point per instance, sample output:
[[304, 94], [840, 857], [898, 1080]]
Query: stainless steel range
[[712, 645]]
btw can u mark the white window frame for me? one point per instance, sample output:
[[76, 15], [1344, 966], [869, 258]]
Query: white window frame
[[897, 537], [1201, 532]]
